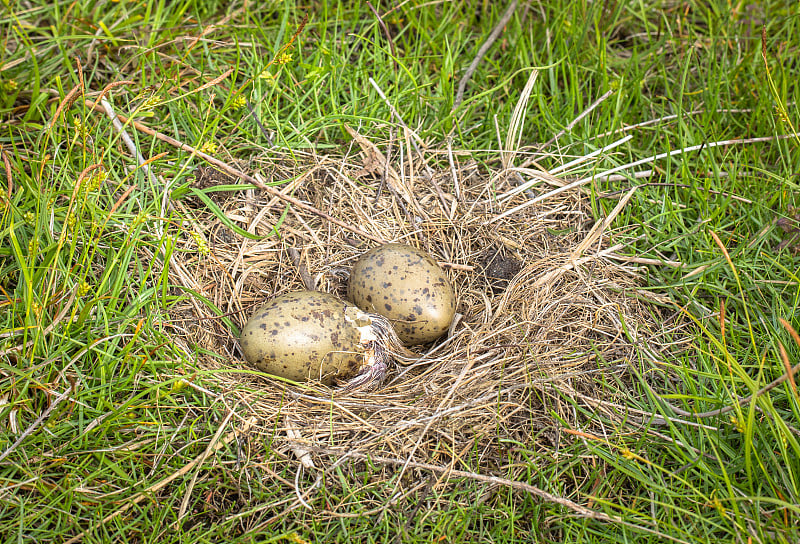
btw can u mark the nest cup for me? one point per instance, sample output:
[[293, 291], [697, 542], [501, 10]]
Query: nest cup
[[525, 348]]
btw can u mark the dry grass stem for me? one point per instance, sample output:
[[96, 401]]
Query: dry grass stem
[[484, 48]]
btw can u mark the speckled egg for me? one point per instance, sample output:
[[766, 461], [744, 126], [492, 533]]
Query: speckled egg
[[306, 335], [408, 287]]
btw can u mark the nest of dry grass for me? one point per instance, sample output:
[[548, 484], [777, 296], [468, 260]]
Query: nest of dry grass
[[544, 308]]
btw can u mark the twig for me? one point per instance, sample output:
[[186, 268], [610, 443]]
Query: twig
[[549, 176], [188, 383], [591, 238], [115, 122], [664, 119], [462, 85], [553, 274], [644, 260], [440, 413], [297, 492], [583, 158], [648, 173], [387, 34], [413, 513], [373, 159], [301, 499], [642, 418], [241, 175], [386, 167], [515, 126], [36, 423], [446, 400], [599, 228], [417, 140]]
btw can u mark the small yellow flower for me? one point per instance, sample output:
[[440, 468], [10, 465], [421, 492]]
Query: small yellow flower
[[71, 220], [151, 102], [9, 86], [96, 180], [80, 127], [284, 58], [202, 245], [139, 220], [738, 424], [30, 218], [83, 288], [627, 454], [239, 102], [717, 504], [209, 147], [178, 386]]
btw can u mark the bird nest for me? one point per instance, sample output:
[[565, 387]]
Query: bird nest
[[548, 313]]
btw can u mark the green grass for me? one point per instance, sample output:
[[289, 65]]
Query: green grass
[[82, 250]]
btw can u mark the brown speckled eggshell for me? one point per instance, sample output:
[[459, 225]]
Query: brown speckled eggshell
[[302, 336], [408, 287]]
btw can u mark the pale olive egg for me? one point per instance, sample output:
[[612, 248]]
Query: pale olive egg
[[308, 335], [408, 287]]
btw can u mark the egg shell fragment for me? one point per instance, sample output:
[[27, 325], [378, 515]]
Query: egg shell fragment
[[304, 335], [408, 287]]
